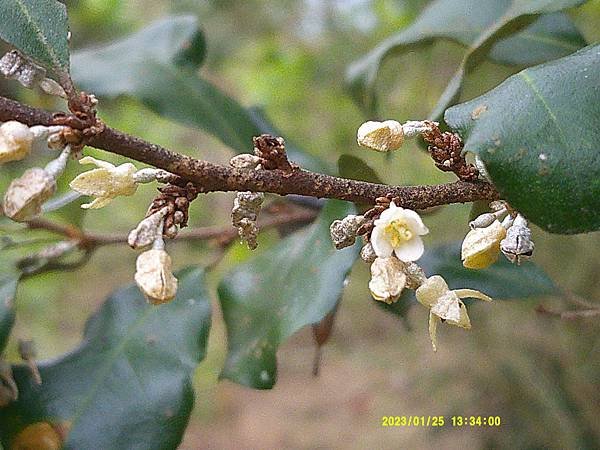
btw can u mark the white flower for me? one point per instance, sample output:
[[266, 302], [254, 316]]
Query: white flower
[[445, 304], [105, 183], [481, 246], [15, 141], [399, 231], [387, 279], [154, 277], [380, 136]]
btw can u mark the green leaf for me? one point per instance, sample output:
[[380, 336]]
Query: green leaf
[[501, 281], [486, 28], [356, 169], [39, 29], [273, 295], [155, 66], [129, 383], [538, 135]]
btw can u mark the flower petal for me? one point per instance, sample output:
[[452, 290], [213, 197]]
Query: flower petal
[[94, 182], [391, 213], [447, 307], [472, 293], [433, 322], [415, 222], [99, 202], [410, 250], [382, 247], [96, 162]]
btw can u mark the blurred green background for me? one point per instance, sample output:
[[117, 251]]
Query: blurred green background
[[539, 374]]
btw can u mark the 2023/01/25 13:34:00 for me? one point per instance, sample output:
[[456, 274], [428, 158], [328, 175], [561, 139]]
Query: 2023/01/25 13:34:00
[[476, 421]]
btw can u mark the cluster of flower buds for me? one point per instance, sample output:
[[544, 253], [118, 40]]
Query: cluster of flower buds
[[389, 135], [25, 195], [393, 245], [16, 66], [488, 236]]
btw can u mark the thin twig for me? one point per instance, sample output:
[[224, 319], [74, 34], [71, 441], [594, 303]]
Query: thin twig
[[224, 235], [569, 315], [209, 177]]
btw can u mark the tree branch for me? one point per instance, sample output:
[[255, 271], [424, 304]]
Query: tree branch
[[224, 235], [209, 177]]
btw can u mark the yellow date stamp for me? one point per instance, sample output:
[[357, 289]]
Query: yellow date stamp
[[440, 421]]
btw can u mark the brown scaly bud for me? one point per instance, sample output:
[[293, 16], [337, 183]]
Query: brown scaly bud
[[271, 150], [446, 151], [174, 202]]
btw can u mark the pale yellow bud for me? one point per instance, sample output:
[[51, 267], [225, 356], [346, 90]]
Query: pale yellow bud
[[387, 279], [154, 276], [481, 246], [15, 141], [25, 196], [381, 136], [106, 183]]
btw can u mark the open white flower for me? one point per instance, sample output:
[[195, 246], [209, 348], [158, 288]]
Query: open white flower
[[399, 231], [445, 304], [105, 183]]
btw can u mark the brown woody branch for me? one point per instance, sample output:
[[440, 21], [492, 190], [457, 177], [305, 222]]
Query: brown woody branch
[[224, 235], [209, 177]]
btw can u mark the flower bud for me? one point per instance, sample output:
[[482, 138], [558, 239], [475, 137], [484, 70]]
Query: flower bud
[[148, 230], [482, 221], [15, 141], [25, 196], [381, 136], [518, 246], [15, 66], [387, 279], [343, 232], [415, 276], [245, 161], [246, 207], [367, 253], [51, 87], [154, 277], [481, 246]]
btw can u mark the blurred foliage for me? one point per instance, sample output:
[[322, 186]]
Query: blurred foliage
[[539, 374]]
